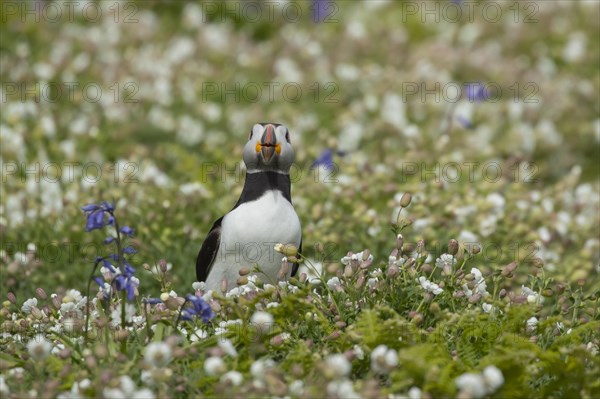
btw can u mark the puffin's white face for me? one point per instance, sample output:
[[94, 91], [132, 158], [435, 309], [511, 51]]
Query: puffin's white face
[[269, 148]]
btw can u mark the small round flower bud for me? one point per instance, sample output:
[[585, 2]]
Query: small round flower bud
[[164, 296], [469, 277], [303, 277], [242, 280], [399, 242], [348, 272], [277, 340], [146, 266], [121, 335], [244, 271], [417, 318], [40, 293], [405, 200], [453, 247], [35, 312], [537, 262], [508, 270], [476, 249], [427, 268], [172, 303], [360, 281], [502, 293], [392, 271], [286, 249], [420, 246], [56, 302], [162, 264], [223, 286], [548, 292], [11, 297]]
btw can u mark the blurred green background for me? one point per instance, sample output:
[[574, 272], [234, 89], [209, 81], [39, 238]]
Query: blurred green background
[[149, 104]]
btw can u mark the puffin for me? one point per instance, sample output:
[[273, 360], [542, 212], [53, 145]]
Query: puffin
[[263, 216]]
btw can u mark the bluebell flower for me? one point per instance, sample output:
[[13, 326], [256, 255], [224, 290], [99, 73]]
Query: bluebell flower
[[127, 231], [95, 215], [152, 301], [129, 270], [199, 308], [319, 10], [108, 266], [129, 250], [108, 240], [99, 281], [476, 92], [325, 160], [467, 124], [127, 284]]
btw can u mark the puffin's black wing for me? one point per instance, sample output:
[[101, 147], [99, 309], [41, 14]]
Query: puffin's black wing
[[208, 252], [296, 265]]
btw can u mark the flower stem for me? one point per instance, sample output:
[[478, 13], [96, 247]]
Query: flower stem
[[87, 304]]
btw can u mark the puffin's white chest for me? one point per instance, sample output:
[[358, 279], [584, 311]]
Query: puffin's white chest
[[248, 235]]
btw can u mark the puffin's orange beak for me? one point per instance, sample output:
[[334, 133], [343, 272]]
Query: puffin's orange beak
[[268, 144]]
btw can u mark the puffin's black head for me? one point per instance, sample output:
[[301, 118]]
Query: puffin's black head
[[269, 148]]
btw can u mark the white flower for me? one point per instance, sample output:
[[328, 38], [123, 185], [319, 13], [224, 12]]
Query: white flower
[[532, 296], [360, 354], [198, 335], [342, 389], [115, 315], [592, 348], [493, 378], [74, 295], [372, 282], [487, 308], [429, 286], [75, 390], [4, 390], [414, 393], [158, 354], [143, 393], [262, 320], [313, 272], [334, 283], [260, 366], [28, 305], [445, 260], [39, 347], [297, 388], [227, 347], [214, 366], [357, 257], [383, 359], [232, 377], [472, 384], [497, 200], [532, 324], [339, 364], [199, 286]]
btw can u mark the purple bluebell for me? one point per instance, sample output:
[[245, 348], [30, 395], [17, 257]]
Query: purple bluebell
[[325, 160], [319, 10], [127, 231], [476, 92], [199, 308]]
